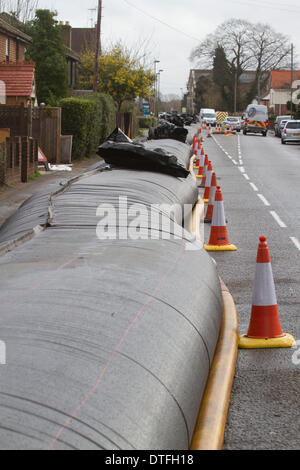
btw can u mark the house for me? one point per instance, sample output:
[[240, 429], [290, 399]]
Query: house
[[281, 87], [17, 82], [13, 42], [73, 54]]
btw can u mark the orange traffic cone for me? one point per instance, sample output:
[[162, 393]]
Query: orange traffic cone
[[218, 240], [201, 164], [195, 143], [206, 162], [212, 195], [265, 328], [209, 132], [198, 154], [208, 178]]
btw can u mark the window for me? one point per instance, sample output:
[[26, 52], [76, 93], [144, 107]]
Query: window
[[7, 49], [293, 125]]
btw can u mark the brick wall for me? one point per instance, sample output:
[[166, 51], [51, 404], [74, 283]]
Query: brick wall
[[18, 159], [16, 49]]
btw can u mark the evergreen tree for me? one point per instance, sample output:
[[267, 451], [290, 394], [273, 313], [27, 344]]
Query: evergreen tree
[[223, 76], [49, 54]]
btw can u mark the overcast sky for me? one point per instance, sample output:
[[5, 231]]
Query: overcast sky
[[193, 18]]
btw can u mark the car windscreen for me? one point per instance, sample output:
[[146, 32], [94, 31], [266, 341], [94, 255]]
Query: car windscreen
[[293, 125], [210, 115], [233, 119]]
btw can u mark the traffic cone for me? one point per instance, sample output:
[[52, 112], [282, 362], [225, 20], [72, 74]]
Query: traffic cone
[[209, 132], [199, 152], [212, 195], [206, 162], [265, 328], [218, 240], [208, 179], [201, 164]]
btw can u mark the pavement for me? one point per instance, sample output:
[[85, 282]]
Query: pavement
[[259, 178], [12, 197]]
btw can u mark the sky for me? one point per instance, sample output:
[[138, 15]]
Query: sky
[[170, 29]]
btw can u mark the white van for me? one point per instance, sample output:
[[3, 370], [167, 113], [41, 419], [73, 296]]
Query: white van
[[256, 119], [208, 116]]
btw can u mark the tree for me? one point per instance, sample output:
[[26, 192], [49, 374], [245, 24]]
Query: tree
[[119, 74], [49, 54], [247, 46], [22, 10], [222, 76], [270, 50]]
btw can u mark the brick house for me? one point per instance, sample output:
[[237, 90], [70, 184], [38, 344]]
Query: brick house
[[17, 84], [73, 57], [280, 88]]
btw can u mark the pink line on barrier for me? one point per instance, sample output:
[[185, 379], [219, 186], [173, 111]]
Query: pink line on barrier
[[93, 389]]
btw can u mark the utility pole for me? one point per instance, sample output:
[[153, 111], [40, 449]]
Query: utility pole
[[292, 75], [98, 49]]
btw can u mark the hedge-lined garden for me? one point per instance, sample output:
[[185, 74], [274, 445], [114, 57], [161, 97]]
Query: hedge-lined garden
[[90, 120]]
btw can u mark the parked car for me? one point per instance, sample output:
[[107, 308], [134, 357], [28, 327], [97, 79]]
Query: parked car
[[277, 123], [281, 126], [291, 132], [232, 122]]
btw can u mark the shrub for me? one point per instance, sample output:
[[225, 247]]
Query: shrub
[[147, 122], [89, 119]]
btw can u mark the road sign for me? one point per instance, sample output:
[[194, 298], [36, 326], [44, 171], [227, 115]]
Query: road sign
[[146, 109]]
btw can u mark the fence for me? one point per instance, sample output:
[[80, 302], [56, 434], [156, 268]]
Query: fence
[[125, 123], [18, 159], [43, 124]]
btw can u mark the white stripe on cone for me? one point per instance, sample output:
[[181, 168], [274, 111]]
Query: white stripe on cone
[[219, 219], [208, 178], [264, 294]]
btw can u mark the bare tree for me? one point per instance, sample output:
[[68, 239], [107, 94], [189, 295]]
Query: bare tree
[[270, 50], [247, 46], [23, 10]]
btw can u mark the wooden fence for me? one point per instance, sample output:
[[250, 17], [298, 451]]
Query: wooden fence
[[43, 124], [18, 159]]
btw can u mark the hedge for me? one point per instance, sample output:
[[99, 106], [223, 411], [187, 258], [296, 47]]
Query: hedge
[[147, 122], [89, 119]]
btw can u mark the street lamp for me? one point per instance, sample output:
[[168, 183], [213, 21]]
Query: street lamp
[[155, 85], [158, 86]]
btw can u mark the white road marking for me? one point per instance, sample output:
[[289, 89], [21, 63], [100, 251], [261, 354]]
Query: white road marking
[[246, 176], [264, 200], [233, 161], [255, 188], [296, 242], [242, 169], [278, 219]]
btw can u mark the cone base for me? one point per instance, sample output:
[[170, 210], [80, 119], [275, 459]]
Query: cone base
[[196, 168], [287, 341], [206, 200], [199, 176], [220, 248], [207, 221]]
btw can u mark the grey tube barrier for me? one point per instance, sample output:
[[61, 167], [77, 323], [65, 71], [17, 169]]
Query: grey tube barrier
[[109, 343]]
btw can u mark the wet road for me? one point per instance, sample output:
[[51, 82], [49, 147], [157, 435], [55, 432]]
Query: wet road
[[260, 180]]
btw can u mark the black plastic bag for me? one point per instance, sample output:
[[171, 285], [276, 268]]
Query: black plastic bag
[[122, 152]]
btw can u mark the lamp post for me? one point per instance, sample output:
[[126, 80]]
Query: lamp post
[[158, 87], [155, 86]]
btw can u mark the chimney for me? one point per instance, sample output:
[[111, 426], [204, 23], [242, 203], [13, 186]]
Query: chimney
[[66, 32]]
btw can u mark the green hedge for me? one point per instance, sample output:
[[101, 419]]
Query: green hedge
[[90, 120], [147, 122]]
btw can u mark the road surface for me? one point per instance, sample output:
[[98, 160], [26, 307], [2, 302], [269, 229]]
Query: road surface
[[260, 179]]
